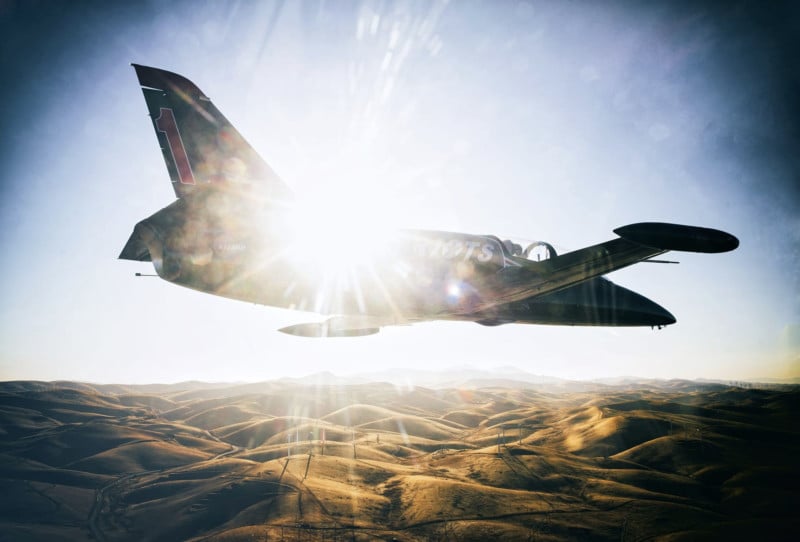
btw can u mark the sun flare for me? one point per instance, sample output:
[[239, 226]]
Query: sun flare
[[335, 232]]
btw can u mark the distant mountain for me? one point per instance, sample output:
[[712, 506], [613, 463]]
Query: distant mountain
[[325, 378], [463, 377], [458, 377]]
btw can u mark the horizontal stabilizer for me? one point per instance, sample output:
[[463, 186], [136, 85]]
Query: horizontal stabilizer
[[136, 249], [678, 237], [324, 329]]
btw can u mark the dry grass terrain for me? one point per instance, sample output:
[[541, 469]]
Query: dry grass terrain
[[668, 460]]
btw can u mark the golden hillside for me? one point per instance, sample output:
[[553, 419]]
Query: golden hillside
[[282, 461]]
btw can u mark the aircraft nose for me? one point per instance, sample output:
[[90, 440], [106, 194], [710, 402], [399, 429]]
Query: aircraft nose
[[647, 311], [632, 308], [661, 316], [598, 302]]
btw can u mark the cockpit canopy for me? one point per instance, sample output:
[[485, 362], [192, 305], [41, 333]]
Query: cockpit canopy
[[530, 250]]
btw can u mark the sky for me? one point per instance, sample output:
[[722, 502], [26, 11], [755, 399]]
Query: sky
[[554, 121]]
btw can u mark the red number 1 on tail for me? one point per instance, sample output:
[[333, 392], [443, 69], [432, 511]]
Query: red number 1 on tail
[[165, 123]]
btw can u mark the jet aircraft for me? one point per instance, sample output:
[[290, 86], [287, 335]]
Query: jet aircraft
[[229, 233]]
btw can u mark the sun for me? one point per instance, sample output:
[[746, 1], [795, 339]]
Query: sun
[[345, 221], [339, 248]]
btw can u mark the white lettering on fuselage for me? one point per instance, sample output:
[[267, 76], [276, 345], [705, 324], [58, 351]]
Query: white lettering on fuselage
[[459, 249], [229, 246]]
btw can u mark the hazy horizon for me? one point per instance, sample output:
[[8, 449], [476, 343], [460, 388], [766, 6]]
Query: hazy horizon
[[447, 377]]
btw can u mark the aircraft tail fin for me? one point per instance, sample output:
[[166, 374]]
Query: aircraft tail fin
[[199, 144]]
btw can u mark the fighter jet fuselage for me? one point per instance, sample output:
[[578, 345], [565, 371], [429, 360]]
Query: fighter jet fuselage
[[229, 233]]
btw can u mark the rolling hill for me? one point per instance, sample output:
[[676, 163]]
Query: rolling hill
[[328, 460]]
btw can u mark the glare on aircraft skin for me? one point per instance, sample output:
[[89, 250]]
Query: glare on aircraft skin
[[237, 231]]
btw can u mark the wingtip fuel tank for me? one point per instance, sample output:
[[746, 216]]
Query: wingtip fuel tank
[[678, 237]]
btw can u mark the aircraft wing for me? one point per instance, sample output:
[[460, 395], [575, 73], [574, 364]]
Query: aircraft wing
[[637, 242]]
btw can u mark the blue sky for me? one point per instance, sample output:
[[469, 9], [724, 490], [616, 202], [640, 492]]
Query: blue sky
[[542, 120]]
